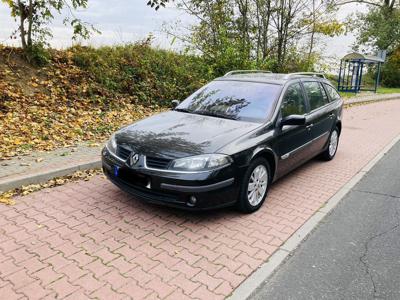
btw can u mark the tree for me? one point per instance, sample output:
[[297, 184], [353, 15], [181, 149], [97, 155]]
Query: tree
[[156, 4], [321, 21], [391, 70], [256, 33], [390, 4], [34, 15], [379, 28]]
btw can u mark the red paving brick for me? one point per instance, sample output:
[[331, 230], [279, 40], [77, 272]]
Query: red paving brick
[[90, 240]]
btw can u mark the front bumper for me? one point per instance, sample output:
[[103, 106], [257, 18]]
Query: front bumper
[[212, 189]]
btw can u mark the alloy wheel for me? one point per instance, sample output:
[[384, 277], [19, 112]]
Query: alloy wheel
[[333, 143], [257, 185]]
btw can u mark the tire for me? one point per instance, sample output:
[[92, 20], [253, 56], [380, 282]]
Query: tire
[[331, 150], [246, 203]]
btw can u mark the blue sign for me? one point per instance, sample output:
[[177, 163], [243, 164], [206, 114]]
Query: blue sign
[[116, 171]]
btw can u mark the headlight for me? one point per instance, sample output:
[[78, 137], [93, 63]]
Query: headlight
[[201, 162], [112, 144]]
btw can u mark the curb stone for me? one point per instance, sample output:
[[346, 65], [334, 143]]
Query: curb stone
[[371, 98], [24, 180]]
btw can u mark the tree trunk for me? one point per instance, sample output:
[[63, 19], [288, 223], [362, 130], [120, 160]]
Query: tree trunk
[[259, 28], [30, 23], [266, 28], [22, 17], [312, 36], [281, 34]]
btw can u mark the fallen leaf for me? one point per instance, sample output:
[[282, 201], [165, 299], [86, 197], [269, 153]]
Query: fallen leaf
[[7, 201]]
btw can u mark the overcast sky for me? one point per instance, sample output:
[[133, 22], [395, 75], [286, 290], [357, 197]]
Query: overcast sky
[[123, 21]]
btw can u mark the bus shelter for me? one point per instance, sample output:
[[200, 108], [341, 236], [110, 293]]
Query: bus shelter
[[353, 67]]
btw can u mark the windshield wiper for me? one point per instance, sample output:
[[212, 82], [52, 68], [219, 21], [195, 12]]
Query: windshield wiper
[[214, 114], [183, 110]]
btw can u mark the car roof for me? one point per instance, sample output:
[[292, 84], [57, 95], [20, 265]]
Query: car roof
[[271, 78]]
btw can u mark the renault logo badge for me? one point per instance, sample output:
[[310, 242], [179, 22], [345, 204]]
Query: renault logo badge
[[133, 159]]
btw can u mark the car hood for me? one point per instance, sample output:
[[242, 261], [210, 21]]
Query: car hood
[[176, 134]]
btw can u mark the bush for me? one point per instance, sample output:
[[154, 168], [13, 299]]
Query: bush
[[38, 55], [391, 70], [153, 76]]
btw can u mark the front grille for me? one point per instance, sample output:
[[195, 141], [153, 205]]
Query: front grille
[[123, 152], [157, 163]]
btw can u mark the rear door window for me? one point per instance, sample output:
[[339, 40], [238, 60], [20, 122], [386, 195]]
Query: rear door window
[[333, 94], [324, 94], [316, 95], [293, 102]]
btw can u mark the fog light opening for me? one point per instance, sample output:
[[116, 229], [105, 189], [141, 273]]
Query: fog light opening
[[192, 201]]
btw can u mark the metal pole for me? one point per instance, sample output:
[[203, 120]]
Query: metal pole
[[377, 77], [357, 69], [340, 74], [361, 73]]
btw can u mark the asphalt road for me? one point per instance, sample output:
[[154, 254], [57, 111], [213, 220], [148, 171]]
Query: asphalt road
[[355, 252]]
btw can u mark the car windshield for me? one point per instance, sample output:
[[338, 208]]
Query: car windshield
[[238, 100]]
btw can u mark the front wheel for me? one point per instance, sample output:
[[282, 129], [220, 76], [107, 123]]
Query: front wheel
[[255, 186], [330, 152]]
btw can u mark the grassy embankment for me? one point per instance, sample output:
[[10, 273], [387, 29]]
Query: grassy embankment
[[84, 94]]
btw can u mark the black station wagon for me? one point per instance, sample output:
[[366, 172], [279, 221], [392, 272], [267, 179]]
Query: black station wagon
[[226, 143]]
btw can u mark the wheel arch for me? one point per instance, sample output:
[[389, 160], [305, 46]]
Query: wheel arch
[[339, 126], [269, 155]]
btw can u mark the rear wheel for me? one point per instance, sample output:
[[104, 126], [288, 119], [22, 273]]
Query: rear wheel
[[330, 152], [255, 186]]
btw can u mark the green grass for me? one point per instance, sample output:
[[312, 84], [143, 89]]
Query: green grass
[[381, 90], [347, 94]]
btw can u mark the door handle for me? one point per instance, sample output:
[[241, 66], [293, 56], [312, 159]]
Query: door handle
[[331, 116], [309, 127]]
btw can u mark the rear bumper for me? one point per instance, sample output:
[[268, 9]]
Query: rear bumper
[[211, 189]]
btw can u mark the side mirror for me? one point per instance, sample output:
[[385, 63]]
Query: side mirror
[[293, 120], [175, 103]]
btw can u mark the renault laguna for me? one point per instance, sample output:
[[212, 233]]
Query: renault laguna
[[226, 143]]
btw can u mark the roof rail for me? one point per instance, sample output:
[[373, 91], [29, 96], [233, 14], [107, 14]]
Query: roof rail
[[313, 74], [246, 71]]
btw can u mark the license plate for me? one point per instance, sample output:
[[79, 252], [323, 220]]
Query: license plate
[[131, 177]]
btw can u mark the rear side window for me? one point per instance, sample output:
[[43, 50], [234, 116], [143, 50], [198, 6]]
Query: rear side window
[[324, 94], [293, 102], [316, 95], [333, 94]]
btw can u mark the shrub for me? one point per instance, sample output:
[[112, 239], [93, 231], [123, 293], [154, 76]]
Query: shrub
[[38, 55], [391, 70], [153, 76]]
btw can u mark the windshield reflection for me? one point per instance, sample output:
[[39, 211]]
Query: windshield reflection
[[249, 101]]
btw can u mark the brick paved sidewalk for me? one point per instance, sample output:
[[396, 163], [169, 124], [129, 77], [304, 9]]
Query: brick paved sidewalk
[[35, 167], [90, 240]]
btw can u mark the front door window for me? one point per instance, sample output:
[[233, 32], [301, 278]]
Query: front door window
[[293, 102]]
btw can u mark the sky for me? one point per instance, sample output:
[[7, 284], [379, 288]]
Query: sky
[[122, 21]]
